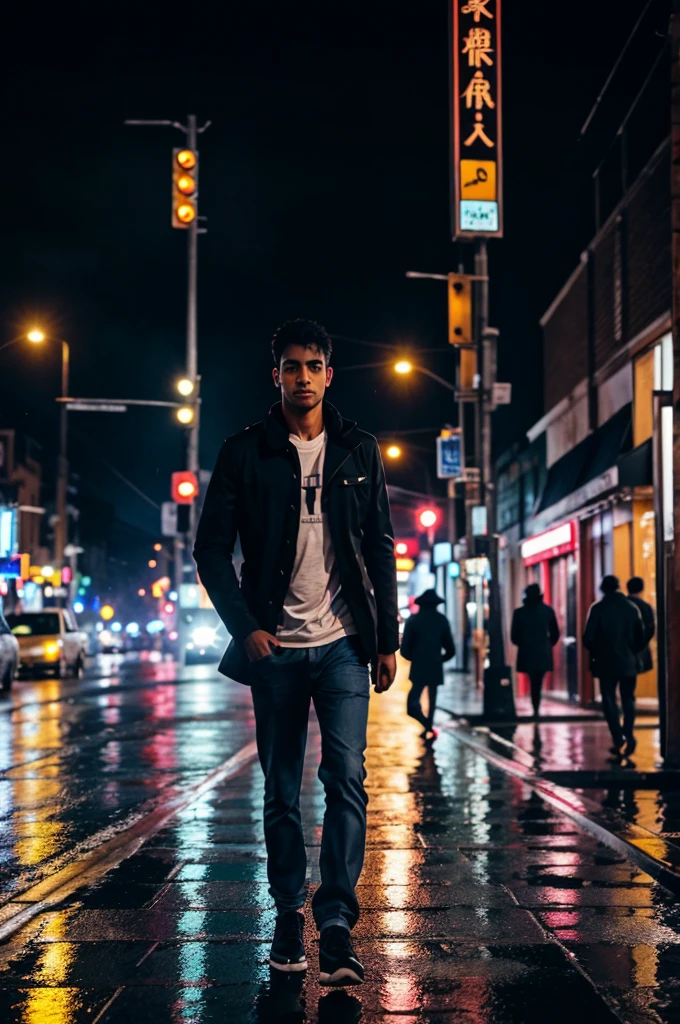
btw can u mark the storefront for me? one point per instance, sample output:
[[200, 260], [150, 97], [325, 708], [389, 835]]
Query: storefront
[[551, 560]]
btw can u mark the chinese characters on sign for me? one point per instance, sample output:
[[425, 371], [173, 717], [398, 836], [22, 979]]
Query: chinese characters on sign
[[477, 129]]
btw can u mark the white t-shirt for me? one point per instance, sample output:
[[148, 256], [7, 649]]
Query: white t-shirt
[[314, 612]]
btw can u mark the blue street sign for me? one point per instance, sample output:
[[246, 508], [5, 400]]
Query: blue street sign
[[449, 457]]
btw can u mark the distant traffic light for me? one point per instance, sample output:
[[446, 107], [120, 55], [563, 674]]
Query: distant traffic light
[[184, 487], [184, 187], [427, 518], [460, 309]]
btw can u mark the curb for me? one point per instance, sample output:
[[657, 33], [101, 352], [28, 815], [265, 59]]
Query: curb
[[628, 840]]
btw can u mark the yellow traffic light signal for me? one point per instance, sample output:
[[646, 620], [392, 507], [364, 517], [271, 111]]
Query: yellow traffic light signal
[[184, 187], [460, 309]]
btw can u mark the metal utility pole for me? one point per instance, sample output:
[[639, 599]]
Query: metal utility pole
[[193, 230], [61, 525], [672, 624]]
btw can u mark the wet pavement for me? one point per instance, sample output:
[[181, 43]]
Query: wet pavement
[[480, 903]]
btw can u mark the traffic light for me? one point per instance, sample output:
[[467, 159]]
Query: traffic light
[[184, 487], [428, 518], [460, 309], [184, 187]]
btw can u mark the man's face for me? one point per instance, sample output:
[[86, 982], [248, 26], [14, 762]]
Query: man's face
[[303, 376]]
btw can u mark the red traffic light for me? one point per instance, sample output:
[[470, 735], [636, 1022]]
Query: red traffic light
[[184, 487], [428, 518]]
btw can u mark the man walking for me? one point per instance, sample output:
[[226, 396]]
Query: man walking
[[635, 586], [427, 643], [315, 613], [534, 632], [614, 636]]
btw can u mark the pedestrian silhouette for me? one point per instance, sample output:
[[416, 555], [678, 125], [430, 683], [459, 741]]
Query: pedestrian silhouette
[[427, 644], [614, 636], [635, 586], [534, 633]]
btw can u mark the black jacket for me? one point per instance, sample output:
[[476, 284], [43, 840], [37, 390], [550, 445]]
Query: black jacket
[[534, 632], [644, 658], [614, 636], [255, 493], [426, 635]]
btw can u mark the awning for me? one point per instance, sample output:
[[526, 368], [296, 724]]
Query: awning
[[592, 458]]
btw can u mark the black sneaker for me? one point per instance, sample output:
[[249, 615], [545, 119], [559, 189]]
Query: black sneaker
[[338, 963], [629, 749], [288, 951]]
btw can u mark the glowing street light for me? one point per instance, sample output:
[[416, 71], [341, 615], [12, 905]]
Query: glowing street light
[[428, 518], [394, 451], [107, 613], [185, 386], [403, 366], [185, 415], [35, 336]]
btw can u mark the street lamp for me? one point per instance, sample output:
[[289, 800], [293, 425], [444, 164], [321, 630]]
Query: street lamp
[[185, 387], [36, 337], [185, 414], [394, 451], [403, 366]]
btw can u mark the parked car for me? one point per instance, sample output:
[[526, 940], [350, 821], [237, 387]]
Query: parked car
[[49, 641], [9, 656]]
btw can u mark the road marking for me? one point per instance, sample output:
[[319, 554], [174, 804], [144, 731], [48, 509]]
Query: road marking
[[113, 850]]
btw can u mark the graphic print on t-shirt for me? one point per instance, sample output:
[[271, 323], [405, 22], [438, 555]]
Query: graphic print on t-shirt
[[312, 489]]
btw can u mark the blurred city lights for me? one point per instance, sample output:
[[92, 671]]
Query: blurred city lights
[[394, 451], [173, 595], [86, 581], [107, 612], [132, 628], [401, 548], [116, 627], [158, 547], [47, 571], [168, 607], [99, 627], [141, 592], [428, 518], [78, 607], [152, 563], [35, 336], [403, 366], [173, 634], [155, 626], [185, 386]]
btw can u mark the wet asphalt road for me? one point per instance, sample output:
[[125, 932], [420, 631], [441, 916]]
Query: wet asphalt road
[[480, 904]]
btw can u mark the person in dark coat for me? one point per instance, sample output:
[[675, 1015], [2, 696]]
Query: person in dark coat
[[635, 586], [534, 632], [614, 636], [427, 644]]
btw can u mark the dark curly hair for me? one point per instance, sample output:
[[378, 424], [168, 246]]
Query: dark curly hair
[[301, 332]]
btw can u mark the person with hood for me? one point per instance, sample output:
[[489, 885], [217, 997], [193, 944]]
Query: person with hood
[[614, 636], [427, 644], [534, 633]]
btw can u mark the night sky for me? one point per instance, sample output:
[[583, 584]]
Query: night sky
[[324, 177]]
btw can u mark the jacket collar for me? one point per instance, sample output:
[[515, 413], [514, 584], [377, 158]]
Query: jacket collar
[[340, 431]]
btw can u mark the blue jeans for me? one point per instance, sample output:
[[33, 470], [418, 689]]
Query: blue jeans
[[336, 678]]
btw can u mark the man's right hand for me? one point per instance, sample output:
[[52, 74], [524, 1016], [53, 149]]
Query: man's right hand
[[259, 644]]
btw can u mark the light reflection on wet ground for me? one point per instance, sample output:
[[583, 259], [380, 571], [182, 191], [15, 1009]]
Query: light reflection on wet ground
[[469, 881]]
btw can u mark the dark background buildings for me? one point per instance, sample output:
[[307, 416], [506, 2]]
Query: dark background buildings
[[324, 177]]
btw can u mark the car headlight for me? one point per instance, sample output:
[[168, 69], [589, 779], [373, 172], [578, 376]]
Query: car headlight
[[204, 636], [51, 650]]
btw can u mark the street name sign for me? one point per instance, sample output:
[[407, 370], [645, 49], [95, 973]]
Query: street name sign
[[95, 407]]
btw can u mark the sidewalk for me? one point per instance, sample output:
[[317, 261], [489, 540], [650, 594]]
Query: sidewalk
[[480, 904]]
